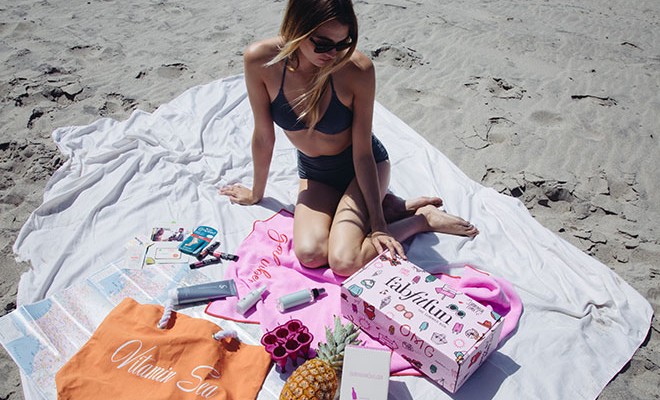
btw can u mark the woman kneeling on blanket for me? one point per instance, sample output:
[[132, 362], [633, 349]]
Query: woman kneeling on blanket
[[344, 215]]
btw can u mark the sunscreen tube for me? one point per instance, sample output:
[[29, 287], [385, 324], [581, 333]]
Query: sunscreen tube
[[249, 300], [297, 298], [203, 292]]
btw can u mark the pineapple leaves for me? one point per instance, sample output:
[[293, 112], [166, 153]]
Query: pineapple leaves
[[329, 338]]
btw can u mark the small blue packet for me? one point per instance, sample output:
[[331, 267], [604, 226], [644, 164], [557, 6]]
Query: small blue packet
[[200, 238]]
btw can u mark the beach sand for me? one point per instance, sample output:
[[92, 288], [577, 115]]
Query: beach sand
[[553, 102]]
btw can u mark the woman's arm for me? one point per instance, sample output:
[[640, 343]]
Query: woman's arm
[[263, 136], [366, 172]]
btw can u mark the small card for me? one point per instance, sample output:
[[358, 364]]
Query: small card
[[366, 373], [168, 234], [167, 254], [135, 250]]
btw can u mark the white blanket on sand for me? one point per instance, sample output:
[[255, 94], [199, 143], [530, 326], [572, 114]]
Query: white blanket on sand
[[581, 323]]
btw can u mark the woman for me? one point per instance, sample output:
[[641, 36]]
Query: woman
[[312, 82]]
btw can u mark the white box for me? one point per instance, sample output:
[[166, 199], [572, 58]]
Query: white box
[[366, 373]]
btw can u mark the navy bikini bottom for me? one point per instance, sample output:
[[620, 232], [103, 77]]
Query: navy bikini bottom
[[338, 170]]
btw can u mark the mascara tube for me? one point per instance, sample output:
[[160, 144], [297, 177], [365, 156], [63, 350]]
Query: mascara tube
[[203, 292], [208, 250], [203, 263], [225, 256]]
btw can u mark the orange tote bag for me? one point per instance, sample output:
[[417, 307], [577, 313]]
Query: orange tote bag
[[129, 357]]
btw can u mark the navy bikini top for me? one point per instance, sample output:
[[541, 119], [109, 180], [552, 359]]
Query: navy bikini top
[[337, 117]]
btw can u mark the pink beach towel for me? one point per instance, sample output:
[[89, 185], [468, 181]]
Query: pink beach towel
[[266, 257]]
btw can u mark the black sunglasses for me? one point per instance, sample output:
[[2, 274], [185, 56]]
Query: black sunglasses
[[324, 47]]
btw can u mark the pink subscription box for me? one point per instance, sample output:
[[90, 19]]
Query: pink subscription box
[[443, 333]]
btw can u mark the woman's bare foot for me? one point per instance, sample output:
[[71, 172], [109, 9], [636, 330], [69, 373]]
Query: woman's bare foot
[[395, 208], [441, 222]]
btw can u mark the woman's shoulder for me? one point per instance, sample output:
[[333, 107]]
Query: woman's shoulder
[[361, 61], [359, 68], [262, 51]]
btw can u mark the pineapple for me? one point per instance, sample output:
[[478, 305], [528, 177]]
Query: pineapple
[[318, 378]]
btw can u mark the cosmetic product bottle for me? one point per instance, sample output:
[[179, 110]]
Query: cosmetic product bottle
[[297, 298], [249, 300], [225, 256], [207, 250], [204, 292], [204, 263]]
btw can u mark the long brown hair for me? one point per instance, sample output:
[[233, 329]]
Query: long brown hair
[[301, 19]]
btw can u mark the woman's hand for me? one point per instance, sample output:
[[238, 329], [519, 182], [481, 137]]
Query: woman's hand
[[382, 240], [239, 194]]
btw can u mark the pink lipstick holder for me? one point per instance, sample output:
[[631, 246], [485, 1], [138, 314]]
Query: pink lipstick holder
[[288, 341]]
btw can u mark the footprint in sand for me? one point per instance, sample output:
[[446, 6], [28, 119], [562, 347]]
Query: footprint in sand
[[496, 130], [116, 102], [501, 130], [399, 56], [171, 71], [496, 87], [26, 159], [603, 101], [546, 118], [86, 50]]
